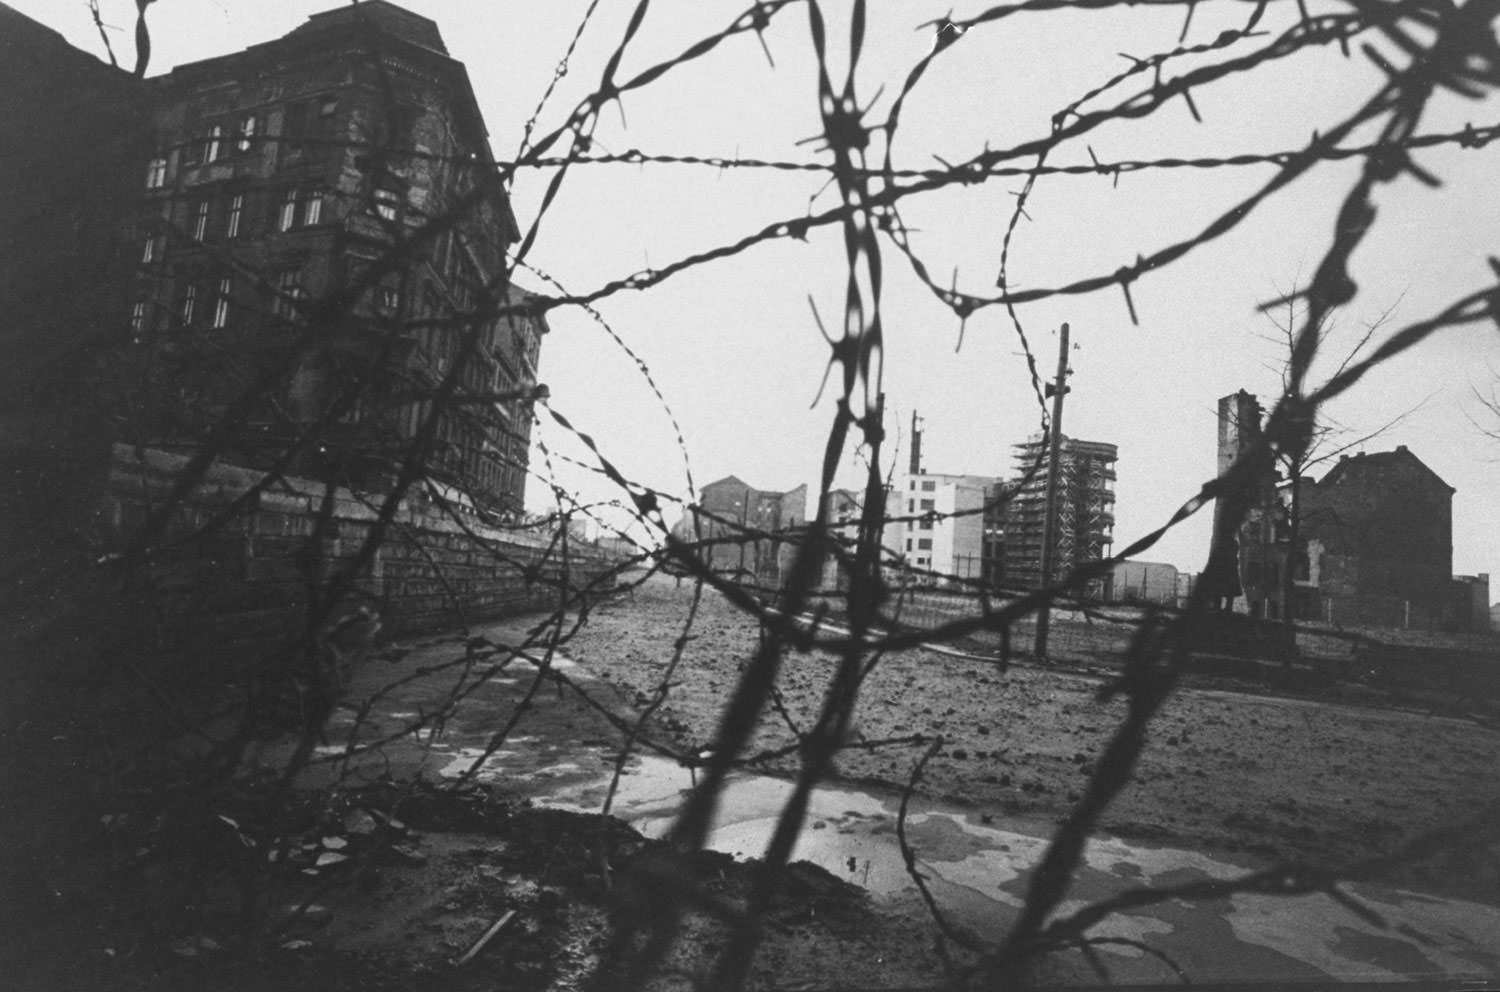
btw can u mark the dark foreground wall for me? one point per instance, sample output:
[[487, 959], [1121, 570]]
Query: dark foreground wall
[[242, 561]]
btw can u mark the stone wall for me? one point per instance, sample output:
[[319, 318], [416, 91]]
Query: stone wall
[[238, 567]]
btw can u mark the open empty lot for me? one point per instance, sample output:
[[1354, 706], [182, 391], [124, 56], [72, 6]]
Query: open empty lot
[[1272, 776]]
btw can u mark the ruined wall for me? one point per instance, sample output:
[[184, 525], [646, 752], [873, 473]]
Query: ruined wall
[[236, 581], [1384, 526]]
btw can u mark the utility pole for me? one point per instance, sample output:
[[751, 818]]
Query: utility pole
[[744, 531], [1057, 388]]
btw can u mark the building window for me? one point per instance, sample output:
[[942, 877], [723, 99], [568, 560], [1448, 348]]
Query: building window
[[138, 317], [236, 211], [908, 544], [151, 250], [156, 173], [310, 212], [924, 544], [213, 145], [386, 203], [929, 485], [288, 215], [928, 504], [925, 524], [246, 133], [288, 292], [389, 299], [189, 302], [200, 220], [221, 303]]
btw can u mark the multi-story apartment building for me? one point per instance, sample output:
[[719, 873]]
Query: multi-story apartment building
[[321, 247], [938, 524]]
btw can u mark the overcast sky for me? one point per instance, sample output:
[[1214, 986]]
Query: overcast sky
[[734, 348]]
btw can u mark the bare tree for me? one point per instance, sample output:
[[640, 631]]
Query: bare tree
[[1320, 439]]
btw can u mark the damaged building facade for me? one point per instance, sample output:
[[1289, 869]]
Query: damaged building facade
[[1374, 539], [321, 220], [739, 531], [290, 258]]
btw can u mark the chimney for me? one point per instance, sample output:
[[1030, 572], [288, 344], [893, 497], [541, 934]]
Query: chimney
[[916, 444]]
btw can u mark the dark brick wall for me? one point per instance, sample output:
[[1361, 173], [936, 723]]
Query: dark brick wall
[[1384, 525], [233, 582]]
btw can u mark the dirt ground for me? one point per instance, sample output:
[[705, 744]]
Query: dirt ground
[[396, 907], [402, 917], [1273, 776], [385, 882]]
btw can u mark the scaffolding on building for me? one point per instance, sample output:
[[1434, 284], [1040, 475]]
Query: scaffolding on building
[[1085, 511]]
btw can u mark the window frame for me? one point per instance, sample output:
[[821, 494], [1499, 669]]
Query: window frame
[[386, 203], [187, 307], [245, 130], [213, 144], [312, 208], [221, 303], [234, 216], [200, 220], [288, 289], [286, 211]]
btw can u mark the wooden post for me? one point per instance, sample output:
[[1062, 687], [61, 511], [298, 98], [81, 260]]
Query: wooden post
[[1049, 519]]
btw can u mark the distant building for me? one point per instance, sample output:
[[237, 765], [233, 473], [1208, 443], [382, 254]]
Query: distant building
[[1145, 582], [1375, 540], [1471, 597], [1377, 534], [1240, 579], [1085, 511], [743, 532], [936, 525], [845, 508]]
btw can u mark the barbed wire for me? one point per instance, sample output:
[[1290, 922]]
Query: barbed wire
[[1459, 56]]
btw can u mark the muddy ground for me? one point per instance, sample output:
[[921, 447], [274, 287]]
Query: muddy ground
[[402, 908], [135, 905], [1226, 769]]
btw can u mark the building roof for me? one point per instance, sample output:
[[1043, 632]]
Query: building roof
[[728, 480], [1377, 464], [393, 20], [27, 46], [978, 480], [1069, 444]]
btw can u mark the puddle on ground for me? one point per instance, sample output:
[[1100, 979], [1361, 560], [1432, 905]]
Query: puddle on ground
[[979, 874]]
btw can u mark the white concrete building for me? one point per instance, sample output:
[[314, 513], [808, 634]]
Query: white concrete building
[[936, 526]]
